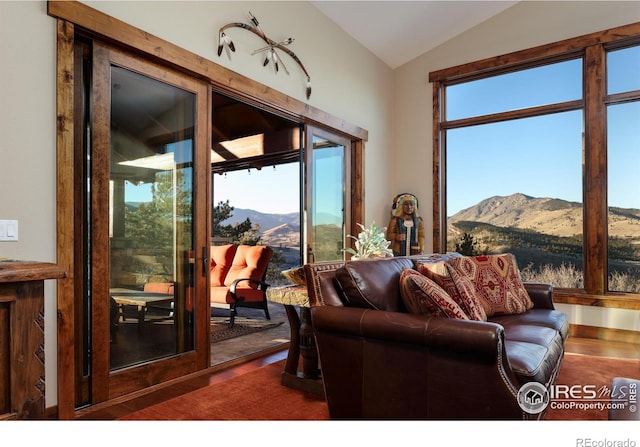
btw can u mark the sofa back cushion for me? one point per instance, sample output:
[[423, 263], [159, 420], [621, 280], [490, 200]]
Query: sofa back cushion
[[497, 281], [422, 295], [221, 258], [373, 283], [250, 261]]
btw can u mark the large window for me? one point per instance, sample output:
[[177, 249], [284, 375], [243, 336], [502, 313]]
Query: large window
[[537, 155], [532, 207], [623, 162]]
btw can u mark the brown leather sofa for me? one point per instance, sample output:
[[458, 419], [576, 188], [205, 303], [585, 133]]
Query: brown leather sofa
[[380, 362]]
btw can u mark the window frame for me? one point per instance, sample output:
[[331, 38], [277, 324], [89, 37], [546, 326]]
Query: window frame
[[592, 48]]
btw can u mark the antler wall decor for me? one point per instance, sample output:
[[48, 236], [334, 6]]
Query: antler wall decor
[[224, 42]]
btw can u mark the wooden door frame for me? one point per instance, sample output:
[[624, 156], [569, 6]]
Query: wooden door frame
[[76, 19], [107, 384]]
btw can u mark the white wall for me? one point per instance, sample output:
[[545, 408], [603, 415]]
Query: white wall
[[348, 82], [28, 148], [524, 25]]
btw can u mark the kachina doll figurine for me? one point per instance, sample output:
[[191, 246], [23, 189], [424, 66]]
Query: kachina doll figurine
[[406, 228]]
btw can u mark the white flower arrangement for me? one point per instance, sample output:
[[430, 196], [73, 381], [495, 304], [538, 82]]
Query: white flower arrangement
[[370, 243]]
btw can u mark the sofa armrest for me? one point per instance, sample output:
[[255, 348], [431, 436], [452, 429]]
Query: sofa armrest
[[481, 339], [541, 294]]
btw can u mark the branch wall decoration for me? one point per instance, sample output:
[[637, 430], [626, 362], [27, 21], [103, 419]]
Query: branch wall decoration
[[270, 50]]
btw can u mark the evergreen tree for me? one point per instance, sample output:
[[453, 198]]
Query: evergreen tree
[[150, 224], [467, 245], [240, 233]]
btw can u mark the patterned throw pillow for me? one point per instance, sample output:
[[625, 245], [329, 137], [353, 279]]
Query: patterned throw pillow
[[497, 282], [457, 286], [423, 296], [469, 301]]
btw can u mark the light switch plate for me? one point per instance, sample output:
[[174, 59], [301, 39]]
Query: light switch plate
[[9, 230]]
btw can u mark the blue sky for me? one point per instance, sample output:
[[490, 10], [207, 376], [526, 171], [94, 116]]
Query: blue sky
[[542, 156], [268, 190]]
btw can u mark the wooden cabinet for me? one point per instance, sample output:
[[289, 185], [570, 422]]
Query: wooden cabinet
[[22, 337]]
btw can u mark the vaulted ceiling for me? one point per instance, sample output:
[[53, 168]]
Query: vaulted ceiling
[[399, 31]]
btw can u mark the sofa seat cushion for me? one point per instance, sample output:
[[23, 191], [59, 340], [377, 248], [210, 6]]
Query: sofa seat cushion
[[534, 343], [373, 284], [532, 362], [422, 295], [552, 319]]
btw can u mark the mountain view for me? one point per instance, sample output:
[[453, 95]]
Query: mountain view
[[544, 215], [545, 233], [276, 230]]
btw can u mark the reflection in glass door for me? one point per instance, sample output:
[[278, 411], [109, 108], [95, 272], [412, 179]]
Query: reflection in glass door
[[150, 219], [329, 196], [146, 213]]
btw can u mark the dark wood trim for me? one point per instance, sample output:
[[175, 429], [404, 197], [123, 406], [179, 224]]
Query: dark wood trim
[[612, 300], [121, 33], [65, 205], [438, 182], [513, 115], [595, 173], [605, 334], [357, 183], [619, 98], [561, 49]]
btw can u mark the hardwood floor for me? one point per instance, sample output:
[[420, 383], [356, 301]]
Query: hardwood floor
[[117, 409], [241, 366], [591, 346]]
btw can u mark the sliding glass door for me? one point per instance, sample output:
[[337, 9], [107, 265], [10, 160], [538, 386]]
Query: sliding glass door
[[146, 219]]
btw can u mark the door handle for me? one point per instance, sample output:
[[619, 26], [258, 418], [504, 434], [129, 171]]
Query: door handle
[[205, 262], [310, 256]]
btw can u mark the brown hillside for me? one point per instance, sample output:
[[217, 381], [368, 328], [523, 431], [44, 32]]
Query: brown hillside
[[544, 215]]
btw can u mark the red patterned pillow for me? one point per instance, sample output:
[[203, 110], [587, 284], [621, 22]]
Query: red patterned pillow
[[469, 301], [423, 296], [497, 282], [437, 271], [457, 286]]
